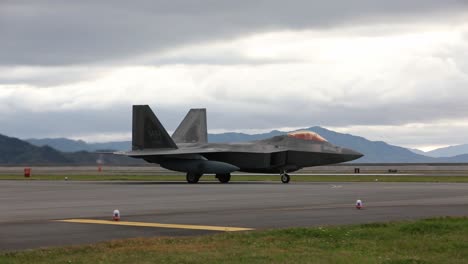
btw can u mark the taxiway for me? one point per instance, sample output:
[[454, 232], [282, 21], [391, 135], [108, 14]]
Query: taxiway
[[29, 209]]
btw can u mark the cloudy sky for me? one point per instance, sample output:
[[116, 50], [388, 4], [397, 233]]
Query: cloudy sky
[[395, 71]]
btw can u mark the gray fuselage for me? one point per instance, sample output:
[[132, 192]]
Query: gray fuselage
[[274, 155]]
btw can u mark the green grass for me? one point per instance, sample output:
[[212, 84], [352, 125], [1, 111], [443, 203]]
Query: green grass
[[440, 240], [298, 178]]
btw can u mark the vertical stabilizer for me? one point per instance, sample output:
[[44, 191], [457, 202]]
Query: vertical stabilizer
[[148, 133], [193, 128]]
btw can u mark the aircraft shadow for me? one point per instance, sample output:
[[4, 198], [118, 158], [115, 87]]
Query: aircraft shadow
[[185, 183]]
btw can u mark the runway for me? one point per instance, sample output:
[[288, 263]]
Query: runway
[[29, 209]]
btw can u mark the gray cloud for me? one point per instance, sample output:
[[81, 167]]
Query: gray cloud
[[78, 123], [241, 115], [47, 76], [61, 33], [65, 67]]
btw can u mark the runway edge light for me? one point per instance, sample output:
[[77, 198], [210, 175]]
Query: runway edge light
[[116, 215], [359, 204]]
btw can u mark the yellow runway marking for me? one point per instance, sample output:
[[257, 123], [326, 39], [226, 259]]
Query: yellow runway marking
[[143, 224]]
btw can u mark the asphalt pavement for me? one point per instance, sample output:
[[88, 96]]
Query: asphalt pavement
[[29, 210]]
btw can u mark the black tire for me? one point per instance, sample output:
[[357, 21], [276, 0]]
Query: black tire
[[193, 177], [285, 178], [224, 178]]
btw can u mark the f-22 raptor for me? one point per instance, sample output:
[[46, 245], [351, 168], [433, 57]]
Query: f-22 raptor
[[188, 149]]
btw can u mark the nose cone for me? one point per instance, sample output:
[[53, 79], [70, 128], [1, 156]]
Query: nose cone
[[349, 154]]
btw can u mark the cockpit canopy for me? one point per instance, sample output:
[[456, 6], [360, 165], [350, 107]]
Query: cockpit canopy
[[307, 135]]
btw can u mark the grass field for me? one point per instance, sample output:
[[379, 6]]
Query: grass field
[[294, 178], [441, 240]]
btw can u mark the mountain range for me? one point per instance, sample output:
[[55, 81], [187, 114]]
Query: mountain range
[[449, 151], [14, 151], [374, 151], [70, 145]]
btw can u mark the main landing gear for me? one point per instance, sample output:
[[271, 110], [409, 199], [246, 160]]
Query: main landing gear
[[193, 177], [223, 178], [285, 177]]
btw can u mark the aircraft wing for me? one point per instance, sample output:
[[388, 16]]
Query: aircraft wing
[[164, 152], [202, 150]]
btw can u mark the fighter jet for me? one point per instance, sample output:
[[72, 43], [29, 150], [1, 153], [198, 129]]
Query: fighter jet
[[188, 149]]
